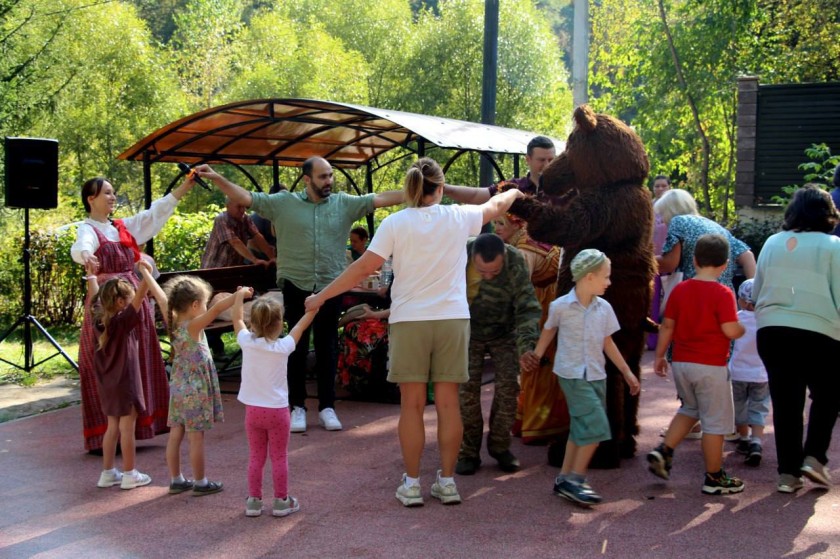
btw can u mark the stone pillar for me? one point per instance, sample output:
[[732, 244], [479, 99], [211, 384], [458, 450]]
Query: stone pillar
[[746, 137]]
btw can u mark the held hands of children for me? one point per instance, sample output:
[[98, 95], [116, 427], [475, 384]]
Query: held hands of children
[[529, 362]]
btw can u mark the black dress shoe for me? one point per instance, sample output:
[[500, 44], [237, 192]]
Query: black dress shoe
[[507, 461], [467, 466]]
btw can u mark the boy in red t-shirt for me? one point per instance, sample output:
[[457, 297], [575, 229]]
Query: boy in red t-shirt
[[700, 320]]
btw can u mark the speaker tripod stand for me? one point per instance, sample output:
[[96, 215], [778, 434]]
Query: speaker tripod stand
[[27, 320]]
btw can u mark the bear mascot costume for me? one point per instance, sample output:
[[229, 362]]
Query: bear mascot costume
[[593, 195]]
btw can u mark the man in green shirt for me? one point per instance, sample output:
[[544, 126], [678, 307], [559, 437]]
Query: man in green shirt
[[312, 228]]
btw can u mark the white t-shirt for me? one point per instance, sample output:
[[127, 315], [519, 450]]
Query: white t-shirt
[[264, 381], [745, 365], [429, 252]]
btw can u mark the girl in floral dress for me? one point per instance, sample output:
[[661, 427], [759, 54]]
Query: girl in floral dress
[[195, 401]]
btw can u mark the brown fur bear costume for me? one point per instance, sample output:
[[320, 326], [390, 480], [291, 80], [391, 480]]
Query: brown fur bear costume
[[593, 195]]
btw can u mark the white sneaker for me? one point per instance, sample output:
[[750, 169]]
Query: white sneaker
[[109, 479], [130, 480], [298, 420], [329, 420], [409, 496], [448, 494]]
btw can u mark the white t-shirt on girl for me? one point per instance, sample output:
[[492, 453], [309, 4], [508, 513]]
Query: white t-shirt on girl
[[429, 248], [264, 381]]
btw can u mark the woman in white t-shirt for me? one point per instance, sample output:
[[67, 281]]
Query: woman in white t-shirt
[[265, 392], [429, 322]]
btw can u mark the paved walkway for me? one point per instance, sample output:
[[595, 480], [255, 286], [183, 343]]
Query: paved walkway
[[50, 506]]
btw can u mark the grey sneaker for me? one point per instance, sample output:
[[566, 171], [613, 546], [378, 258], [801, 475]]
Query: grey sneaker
[[789, 483], [109, 479], [448, 494], [130, 480], [253, 506], [285, 507], [409, 496], [815, 471]]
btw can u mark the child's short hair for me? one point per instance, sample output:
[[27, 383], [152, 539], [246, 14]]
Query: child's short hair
[[183, 291], [587, 260], [711, 250], [266, 317]]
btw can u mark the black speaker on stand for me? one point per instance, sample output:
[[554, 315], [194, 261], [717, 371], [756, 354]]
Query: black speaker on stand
[[31, 182]]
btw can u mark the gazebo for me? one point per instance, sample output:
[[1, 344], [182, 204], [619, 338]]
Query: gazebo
[[285, 132]]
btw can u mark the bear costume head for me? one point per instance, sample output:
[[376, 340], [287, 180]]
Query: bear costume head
[[593, 195]]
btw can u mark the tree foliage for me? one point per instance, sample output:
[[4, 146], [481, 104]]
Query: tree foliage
[[635, 73]]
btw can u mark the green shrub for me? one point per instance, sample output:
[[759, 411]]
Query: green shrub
[[819, 170], [181, 242], [754, 232]]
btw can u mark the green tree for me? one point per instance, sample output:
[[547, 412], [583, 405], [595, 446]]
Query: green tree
[[203, 44]]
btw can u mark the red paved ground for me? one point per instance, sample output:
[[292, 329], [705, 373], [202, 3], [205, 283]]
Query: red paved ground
[[50, 506]]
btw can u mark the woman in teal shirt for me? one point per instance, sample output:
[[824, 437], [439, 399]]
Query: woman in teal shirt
[[797, 292]]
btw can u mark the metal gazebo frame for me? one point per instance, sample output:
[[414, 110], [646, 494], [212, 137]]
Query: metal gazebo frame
[[285, 132]]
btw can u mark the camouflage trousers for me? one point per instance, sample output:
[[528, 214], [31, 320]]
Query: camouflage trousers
[[505, 358]]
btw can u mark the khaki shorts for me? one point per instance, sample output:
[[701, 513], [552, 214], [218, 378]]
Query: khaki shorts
[[706, 394], [429, 350]]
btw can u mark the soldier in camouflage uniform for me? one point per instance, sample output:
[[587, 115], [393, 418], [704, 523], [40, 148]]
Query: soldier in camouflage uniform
[[504, 320]]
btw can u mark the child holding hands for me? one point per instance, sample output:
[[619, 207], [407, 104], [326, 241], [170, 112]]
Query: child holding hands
[[265, 392], [583, 324], [700, 320], [117, 367], [195, 401]]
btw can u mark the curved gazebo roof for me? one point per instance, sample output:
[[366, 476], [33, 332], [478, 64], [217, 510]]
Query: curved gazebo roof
[[287, 131]]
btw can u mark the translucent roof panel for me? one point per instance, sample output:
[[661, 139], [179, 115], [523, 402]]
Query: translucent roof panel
[[288, 131]]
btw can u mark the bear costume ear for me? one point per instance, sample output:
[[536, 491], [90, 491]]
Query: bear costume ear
[[585, 118]]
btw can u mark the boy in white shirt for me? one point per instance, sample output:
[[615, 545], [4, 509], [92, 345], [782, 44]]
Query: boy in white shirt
[[750, 389]]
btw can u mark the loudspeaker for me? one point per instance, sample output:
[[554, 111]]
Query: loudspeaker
[[31, 173]]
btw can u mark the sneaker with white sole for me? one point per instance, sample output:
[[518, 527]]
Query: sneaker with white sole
[[409, 496], [448, 493], [328, 420], [789, 483], [130, 480], [109, 478], [815, 471], [298, 423], [253, 506], [285, 507], [721, 484]]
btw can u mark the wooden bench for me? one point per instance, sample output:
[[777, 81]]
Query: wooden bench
[[226, 280]]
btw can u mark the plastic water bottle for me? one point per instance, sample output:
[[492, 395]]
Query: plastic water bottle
[[386, 274]]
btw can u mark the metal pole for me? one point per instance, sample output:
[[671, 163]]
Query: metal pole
[[147, 194], [580, 53], [488, 83]]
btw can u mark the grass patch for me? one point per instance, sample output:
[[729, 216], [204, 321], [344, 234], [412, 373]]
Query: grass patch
[[12, 350]]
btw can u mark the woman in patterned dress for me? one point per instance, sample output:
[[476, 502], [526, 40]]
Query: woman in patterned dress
[[111, 248], [685, 226]]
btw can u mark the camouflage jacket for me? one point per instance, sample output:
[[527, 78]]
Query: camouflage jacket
[[506, 305]]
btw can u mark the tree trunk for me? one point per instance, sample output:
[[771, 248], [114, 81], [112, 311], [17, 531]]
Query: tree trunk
[[704, 172]]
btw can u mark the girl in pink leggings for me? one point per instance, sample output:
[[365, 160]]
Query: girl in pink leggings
[[265, 392]]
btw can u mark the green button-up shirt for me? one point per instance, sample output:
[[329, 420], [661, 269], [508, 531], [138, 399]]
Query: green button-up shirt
[[311, 237]]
